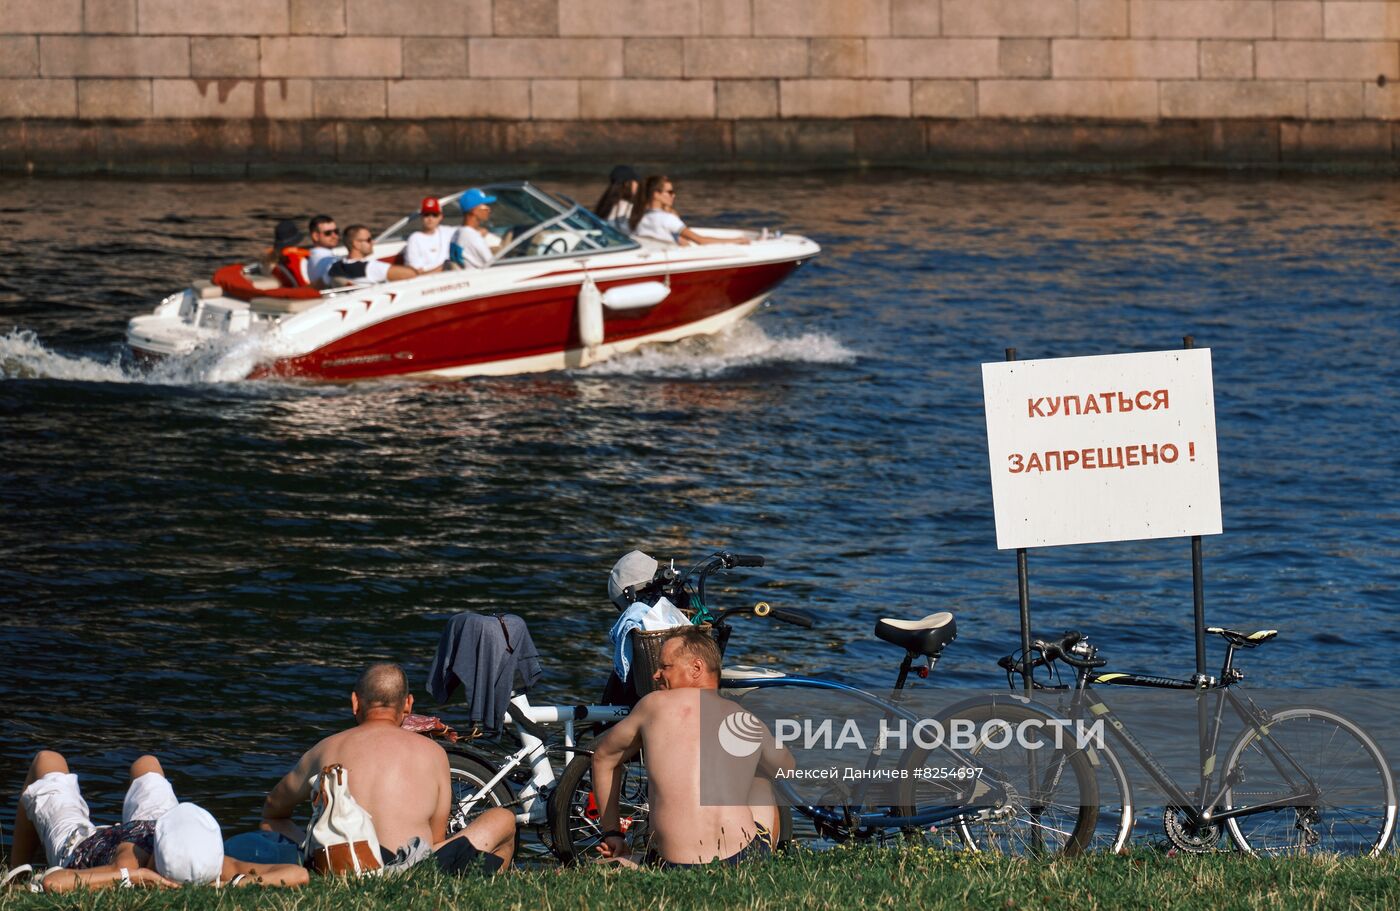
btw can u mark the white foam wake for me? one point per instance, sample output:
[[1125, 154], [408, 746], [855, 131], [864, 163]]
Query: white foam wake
[[24, 356], [744, 346]]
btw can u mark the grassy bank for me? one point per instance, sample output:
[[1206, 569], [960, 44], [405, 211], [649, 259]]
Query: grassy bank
[[855, 879]]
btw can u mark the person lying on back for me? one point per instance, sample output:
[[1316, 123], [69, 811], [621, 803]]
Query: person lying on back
[[160, 842], [400, 778], [359, 265]]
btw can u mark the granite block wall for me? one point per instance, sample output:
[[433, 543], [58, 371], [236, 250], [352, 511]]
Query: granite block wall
[[180, 82]]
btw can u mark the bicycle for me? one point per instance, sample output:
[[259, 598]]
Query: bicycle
[[525, 780], [1005, 804], [1275, 790]]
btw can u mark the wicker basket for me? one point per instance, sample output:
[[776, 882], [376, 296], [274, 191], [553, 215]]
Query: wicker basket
[[646, 655]]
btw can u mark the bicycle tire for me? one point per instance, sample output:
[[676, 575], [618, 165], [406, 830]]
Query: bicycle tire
[[1063, 825], [1353, 811], [469, 776], [574, 826], [1117, 807]]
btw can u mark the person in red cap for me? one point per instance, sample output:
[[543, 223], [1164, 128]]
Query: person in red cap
[[427, 249]]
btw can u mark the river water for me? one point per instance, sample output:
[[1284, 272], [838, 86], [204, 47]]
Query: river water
[[199, 567]]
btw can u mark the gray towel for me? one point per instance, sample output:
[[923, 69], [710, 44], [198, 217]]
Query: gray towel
[[487, 654]]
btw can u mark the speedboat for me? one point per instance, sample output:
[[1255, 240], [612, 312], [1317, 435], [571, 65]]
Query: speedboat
[[564, 289]]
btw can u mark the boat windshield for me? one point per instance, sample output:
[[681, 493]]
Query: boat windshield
[[528, 223]]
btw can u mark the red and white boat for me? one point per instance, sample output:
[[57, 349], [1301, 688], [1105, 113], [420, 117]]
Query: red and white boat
[[565, 290]]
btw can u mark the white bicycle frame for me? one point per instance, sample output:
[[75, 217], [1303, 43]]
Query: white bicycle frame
[[534, 795]]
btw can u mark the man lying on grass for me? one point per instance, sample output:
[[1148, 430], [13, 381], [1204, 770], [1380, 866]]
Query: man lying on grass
[[402, 780], [160, 841], [677, 730]]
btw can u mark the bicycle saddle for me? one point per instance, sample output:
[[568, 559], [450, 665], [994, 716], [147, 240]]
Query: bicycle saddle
[[1243, 640], [922, 637]]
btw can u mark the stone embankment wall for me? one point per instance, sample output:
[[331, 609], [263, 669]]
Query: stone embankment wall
[[239, 85]]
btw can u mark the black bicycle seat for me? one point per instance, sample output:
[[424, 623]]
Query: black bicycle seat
[[1243, 640], [922, 637]]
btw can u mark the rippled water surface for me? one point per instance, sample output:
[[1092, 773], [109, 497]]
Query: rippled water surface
[[200, 567]]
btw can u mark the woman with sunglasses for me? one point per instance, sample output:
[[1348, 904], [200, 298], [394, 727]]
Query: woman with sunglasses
[[658, 222]]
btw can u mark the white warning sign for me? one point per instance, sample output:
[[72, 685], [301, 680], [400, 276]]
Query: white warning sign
[[1116, 447]]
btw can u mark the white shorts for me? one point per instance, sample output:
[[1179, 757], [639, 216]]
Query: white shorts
[[60, 815]]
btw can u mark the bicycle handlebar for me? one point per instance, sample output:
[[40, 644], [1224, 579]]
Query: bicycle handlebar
[[763, 609], [1061, 650], [795, 617]]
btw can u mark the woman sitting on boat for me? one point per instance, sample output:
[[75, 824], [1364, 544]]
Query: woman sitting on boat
[[657, 223], [618, 200]]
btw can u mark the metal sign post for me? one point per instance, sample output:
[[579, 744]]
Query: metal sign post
[[1023, 587], [1198, 600], [1115, 447]]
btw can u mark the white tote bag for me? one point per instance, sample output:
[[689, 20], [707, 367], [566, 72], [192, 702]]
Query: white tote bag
[[341, 837]]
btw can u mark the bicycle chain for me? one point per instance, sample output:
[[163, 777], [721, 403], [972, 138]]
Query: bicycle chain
[[1193, 840]]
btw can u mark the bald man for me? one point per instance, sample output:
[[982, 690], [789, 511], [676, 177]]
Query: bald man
[[402, 780]]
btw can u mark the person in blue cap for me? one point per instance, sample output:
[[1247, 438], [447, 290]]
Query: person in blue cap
[[469, 249]]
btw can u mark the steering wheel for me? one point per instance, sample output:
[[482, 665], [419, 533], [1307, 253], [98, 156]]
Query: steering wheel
[[558, 245]]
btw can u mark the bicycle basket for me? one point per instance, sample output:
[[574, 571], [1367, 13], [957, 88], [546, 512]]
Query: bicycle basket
[[646, 655]]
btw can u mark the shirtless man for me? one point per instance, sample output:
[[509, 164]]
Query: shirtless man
[[401, 779], [160, 842], [735, 817]]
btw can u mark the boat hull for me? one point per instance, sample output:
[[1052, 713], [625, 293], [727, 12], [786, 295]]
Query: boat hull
[[532, 330]]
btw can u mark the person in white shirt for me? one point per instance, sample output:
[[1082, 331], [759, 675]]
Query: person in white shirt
[[360, 264], [325, 236], [657, 222], [615, 205], [470, 249], [427, 250]]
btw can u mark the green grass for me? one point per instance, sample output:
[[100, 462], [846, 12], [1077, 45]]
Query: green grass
[[847, 878]]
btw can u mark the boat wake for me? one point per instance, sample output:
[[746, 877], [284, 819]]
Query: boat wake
[[23, 355], [744, 347]]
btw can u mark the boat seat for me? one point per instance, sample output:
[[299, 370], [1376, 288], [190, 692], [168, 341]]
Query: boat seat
[[919, 637], [282, 305], [1243, 640], [264, 282], [206, 289]]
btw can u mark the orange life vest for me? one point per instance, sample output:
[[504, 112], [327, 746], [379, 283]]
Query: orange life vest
[[291, 267]]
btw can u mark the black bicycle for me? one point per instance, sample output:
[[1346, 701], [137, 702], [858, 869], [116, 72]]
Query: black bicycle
[[1298, 780]]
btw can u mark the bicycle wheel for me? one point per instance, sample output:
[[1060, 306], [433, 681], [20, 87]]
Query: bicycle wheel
[[469, 776], [1116, 808], [1049, 796], [1332, 786], [575, 824], [574, 812]]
